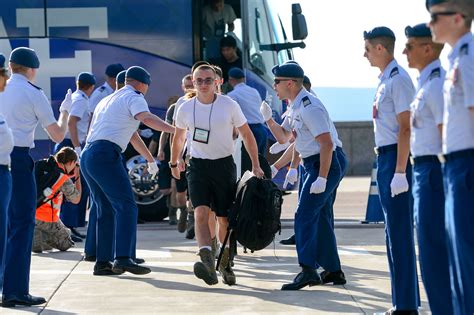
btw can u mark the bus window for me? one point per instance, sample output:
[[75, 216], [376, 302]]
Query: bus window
[[259, 33]]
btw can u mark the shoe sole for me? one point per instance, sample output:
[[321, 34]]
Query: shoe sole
[[106, 273], [135, 271], [310, 284], [335, 282], [201, 272], [228, 280], [13, 304]]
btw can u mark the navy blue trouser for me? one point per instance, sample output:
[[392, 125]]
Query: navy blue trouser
[[459, 186], [5, 196], [428, 206], [102, 166], [260, 134], [21, 224], [398, 213], [314, 233], [74, 215]]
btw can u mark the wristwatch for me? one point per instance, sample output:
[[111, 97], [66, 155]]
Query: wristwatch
[[171, 165]]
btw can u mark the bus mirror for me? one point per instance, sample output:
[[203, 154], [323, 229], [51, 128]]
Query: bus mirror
[[298, 21]]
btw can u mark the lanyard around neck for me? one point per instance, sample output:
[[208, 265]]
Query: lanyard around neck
[[210, 114]]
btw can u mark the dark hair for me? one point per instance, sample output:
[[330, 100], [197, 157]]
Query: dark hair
[[218, 71], [205, 67], [197, 64], [228, 41], [387, 42], [83, 86], [66, 155]]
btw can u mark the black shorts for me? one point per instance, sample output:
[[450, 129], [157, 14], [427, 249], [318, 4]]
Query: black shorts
[[181, 183], [164, 176], [212, 183]]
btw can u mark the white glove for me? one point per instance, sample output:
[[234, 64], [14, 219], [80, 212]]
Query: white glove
[[146, 133], [278, 147], [78, 152], [47, 192], [152, 168], [274, 171], [67, 102], [399, 184], [291, 177], [318, 186], [266, 111]]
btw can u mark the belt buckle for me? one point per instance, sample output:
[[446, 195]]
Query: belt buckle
[[441, 158], [376, 150], [412, 160]]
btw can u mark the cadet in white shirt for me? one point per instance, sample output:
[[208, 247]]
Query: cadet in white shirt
[[114, 125], [451, 22], [391, 115], [425, 144], [107, 88], [316, 141], [6, 147], [23, 105], [211, 118], [74, 215]]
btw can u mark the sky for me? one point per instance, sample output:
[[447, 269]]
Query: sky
[[333, 56]]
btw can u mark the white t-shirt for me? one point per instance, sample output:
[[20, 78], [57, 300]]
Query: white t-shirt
[[79, 108], [114, 117], [219, 118]]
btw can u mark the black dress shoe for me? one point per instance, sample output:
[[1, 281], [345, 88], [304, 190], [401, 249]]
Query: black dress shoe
[[139, 261], [90, 257], [126, 264], [76, 233], [336, 277], [306, 277], [392, 311], [289, 241], [104, 268], [76, 239], [26, 300]]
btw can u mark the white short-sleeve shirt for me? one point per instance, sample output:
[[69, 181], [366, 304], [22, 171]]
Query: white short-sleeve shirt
[[249, 100], [307, 118], [458, 131], [114, 118], [219, 118], [6, 143], [79, 108], [98, 94], [394, 96], [23, 105], [427, 111]]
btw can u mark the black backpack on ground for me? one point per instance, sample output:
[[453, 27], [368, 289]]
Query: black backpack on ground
[[47, 173], [254, 218]]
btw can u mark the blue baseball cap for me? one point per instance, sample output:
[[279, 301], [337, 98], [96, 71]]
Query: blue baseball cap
[[25, 56], [288, 70], [120, 78], [2, 61], [86, 77], [430, 3], [236, 73], [139, 74], [419, 30], [380, 31], [113, 69]]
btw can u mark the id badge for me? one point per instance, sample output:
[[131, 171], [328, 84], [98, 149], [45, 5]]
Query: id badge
[[201, 135], [374, 111]]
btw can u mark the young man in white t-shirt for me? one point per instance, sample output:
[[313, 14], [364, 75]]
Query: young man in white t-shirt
[[211, 118]]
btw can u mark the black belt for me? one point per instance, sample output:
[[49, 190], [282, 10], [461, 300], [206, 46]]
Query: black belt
[[4, 167], [22, 149], [456, 155], [385, 149], [424, 159]]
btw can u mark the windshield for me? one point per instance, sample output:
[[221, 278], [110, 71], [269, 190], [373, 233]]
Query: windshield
[[279, 33]]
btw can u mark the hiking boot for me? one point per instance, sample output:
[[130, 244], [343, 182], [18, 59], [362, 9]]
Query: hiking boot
[[172, 220], [225, 269], [214, 248], [183, 216], [204, 269], [190, 229]]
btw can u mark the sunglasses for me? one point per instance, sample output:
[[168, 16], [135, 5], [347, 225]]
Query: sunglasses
[[206, 81], [277, 81], [435, 15]]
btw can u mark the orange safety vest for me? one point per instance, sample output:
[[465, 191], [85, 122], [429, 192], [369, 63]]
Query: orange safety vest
[[49, 211]]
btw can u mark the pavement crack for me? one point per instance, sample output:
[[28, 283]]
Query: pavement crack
[[354, 299], [59, 286]]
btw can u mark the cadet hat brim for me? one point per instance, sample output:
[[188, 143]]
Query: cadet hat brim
[[114, 69], [25, 56], [380, 31], [2, 61], [139, 74], [120, 78], [419, 30], [86, 77], [236, 73], [306, 80], [288, 70], [430, 3]]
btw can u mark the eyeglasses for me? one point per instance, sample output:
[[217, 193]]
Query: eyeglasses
[[435, 15], [277, 81], [206, 81], [410, 46]]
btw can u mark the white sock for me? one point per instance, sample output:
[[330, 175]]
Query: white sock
[[205, 247]]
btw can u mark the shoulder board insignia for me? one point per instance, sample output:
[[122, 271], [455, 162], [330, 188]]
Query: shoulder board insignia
[[35, 86], [464, 50], [101, 89], [2, 122], [394, 72], [436, 73], [138, 92], [306, 101]]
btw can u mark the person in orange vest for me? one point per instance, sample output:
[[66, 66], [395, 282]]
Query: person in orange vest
[[56, 178]]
